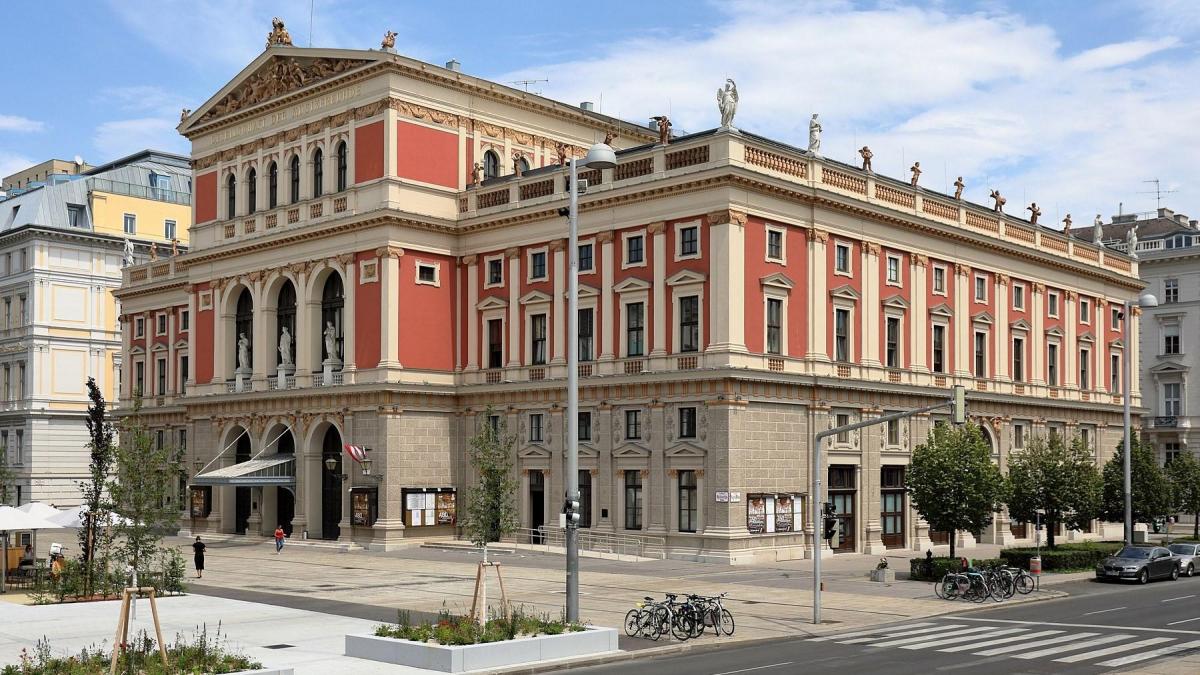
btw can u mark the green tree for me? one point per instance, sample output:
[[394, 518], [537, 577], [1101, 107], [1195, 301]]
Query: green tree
[[1061, 481], [491, 510], [95, 534], [953, 483], [1151, 489], [142, 488], [1184, 474], [6, 475]]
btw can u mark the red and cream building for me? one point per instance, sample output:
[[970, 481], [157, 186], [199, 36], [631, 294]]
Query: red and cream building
[[737, 295]]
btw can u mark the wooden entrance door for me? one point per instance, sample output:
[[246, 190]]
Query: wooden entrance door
[[842, 493], [892, 506], [537, 502]]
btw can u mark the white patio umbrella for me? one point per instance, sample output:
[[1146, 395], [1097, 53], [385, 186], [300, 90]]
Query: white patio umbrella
[[41, 510], [73, 518], [12, 519]]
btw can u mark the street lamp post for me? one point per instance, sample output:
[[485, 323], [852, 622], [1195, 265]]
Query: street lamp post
[[1146, 299], [600, 156]]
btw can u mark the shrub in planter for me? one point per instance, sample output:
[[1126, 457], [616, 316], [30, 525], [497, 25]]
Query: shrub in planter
[[938, 567], [1081, 556], [459, 630]]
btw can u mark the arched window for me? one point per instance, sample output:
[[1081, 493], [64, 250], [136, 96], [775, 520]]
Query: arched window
[[251, 191], [243, 324], [286, 445], [332, 301], [294, 177], [318, 172], [285, 317], [331, 484], [341, 166], [273, 186], [491, 165], [231, 196]]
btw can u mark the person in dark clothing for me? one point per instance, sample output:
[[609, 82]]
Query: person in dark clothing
[[198, 547]]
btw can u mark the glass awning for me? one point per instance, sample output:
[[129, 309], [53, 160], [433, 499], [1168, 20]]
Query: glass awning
[[277, 469]]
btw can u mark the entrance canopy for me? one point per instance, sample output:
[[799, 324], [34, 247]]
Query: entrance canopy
[[269, 470]]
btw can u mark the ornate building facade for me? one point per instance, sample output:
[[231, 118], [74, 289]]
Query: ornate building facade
[[379, 260]]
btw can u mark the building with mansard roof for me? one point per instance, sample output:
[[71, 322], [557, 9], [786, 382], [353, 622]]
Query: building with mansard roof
[[378, 260]]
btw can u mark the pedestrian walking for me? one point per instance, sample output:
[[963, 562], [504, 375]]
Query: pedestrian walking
[[279, 535], [198, 548]]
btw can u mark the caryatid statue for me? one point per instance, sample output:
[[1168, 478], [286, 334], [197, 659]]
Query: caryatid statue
[[727, 103], [814, 135], [1067, 225], [285, 347], [916, 173], [958, 187], [330, 341], [1098, 230], [998, 207], [243, 352], [1034, 212], [866, 155]]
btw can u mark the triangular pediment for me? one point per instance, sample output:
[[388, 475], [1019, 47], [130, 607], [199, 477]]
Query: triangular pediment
[[1169, 367], [588, 450], [533, 452], [159, 347], [685, 450], [684, 277], [137, 350], [586, 291], [492, 302], [778, 280], [182, 344], [1020, 324], [983, 317], [631, 450], [535, 298], [845, 292], [895, 302], [1118, 343], [941, 310], [278, 71], [1054, 332], [632, 284], [1087, 337]]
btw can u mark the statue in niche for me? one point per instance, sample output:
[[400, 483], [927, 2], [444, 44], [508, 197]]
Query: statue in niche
[[243, 353], [330, 341], [727, 103], [285, 347]]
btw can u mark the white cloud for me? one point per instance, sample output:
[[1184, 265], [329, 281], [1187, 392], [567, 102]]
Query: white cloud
[[141, 99], [18, 123], [11, 163], [986, 95], [119, 138]]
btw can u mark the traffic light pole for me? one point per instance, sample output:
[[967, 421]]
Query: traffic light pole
[[569, 429], [957, 403]]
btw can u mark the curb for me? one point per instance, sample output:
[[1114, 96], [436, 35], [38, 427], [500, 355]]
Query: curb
[[651, 653]]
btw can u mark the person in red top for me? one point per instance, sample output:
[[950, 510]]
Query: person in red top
[[279, 535]]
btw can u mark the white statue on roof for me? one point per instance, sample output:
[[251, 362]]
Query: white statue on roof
[[1098, 230], [1131, 240], [127, 255], [814, 135], [727, 102]]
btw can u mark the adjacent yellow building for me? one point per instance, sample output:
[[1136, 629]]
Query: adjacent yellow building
[[63, 243]]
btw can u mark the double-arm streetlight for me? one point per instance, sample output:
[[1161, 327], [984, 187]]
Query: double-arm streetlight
[[1146, 299], [599, 156]]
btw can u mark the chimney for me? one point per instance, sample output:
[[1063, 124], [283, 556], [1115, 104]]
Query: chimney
[[1181, 219], [454, 65], [1164, 212], [587, 105]]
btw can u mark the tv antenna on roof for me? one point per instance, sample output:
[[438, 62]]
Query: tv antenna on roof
[[1158, 192], [525, 84]]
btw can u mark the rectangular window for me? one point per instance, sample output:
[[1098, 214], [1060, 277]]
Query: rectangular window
[[130, 223], [687, 501], [893, 269], [1018, 359], [76, 216], [139, 378], [841, 420], [183, 439], [169, 229], [635, 252], [980, 354], [1085, 310], [586, 262], [22, 305], [537, 265], [160, 367], [633, 424], [427, 274], [892, 350], [893, 432], [19, 450], [1171, 339], [1117, 314], [841, 258], [980, 289], [1172, 399], [774, 245], [495, 343], [689, 323], [494, 423], [1170, 290], [183, 374], [939, 348], [687, 422], [939, 280], [161, 324], [586, 331], [160, 438], [495, 271], [139, 327], [633, 500], [537, 346], [535, 428], [583, 428], [1114, 373], [1052, 365], [635, 330], [1019, 296], [1052, 303], [689, 241], [841, 334], [774, 326], [1085, 369], [184, 319], [1171, 451], [1019, 436]]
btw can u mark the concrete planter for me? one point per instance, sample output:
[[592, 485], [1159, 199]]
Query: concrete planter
[[475, 657], [884, 575], [266, 671]]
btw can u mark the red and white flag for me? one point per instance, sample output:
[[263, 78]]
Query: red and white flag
[[357, 453]]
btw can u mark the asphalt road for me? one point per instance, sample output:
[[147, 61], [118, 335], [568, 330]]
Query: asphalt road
[[1102, 627]]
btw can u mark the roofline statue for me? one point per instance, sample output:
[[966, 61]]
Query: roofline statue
[[279, 35], [727, 103]]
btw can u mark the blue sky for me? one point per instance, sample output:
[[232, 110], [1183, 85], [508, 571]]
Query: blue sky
[[1070, 104]]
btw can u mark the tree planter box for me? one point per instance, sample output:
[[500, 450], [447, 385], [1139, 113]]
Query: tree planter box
[[884, 575], [475, 657]]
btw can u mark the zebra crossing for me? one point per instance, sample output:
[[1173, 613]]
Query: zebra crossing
[[1089, 645]]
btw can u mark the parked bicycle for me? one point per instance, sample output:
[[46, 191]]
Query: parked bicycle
[[998, 583], [682, 619]]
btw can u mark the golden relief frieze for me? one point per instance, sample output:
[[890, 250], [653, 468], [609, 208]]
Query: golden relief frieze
[[281, 76]]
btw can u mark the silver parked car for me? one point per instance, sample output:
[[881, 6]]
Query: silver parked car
[[1141, 563], [1187, 554]]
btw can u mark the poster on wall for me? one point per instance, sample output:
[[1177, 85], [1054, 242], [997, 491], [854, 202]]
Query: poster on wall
[[426, 507], [364, 506], [784, 505], [447, 510], [771, 513], [201, 501], [756, 513]]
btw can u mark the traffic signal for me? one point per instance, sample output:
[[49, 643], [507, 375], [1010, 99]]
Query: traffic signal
[[572, 509], [831, 521], [959, 405]]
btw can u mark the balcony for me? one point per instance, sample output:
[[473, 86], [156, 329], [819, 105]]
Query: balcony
[[1166, 422], [139, 191]]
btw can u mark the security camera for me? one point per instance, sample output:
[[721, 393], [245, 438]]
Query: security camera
[[564, 212]]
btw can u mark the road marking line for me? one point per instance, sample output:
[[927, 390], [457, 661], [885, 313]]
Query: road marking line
[[1182, 597], [1171, 649], [1095, 654], [1101, 611], [1016, 648], [746, 670], [1000, 641], [922, 638], [872, 631], [952, 640], [1184, 621], [900, 634], [1073, 647], [1082, 625]]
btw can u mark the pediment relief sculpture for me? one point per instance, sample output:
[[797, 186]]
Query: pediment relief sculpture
[[281, 76]]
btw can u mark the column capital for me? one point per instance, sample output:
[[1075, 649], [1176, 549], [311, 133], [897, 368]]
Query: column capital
[[605, 237], [558, 245], [727, 216], [871, 248], [512, 252], [1039, 287], [820, 236], [657, 227], [920, 260], [1002, 279], [389, 252], [470, 259], [962, 269], [346, 258]]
